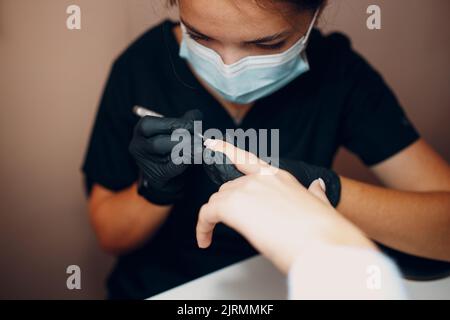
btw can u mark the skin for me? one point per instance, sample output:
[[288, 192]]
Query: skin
[[411, 214], [123, 220], [275, 213]]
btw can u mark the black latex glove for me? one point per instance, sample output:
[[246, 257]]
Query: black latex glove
[[161, 181], [222, 171]]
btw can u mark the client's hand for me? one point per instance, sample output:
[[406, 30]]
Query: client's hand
[[274, 212]]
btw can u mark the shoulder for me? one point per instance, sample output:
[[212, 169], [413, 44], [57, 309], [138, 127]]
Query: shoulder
[[333, 54], [337, 66], [148, 50], [333, 41]]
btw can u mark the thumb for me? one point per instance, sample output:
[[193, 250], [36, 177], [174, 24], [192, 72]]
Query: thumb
[[193, 115], [318, 188], [246, 162], [188, 119]]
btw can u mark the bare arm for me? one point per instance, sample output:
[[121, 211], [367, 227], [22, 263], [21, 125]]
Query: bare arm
[[414, 216], [123, 220]]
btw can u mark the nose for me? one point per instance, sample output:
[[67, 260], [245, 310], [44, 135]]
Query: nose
[[231, 55]]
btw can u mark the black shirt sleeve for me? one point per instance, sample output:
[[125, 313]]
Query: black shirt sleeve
[[108, 162], [374, 126]]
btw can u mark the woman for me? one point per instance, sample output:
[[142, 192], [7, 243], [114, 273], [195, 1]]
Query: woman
[[330, 97]]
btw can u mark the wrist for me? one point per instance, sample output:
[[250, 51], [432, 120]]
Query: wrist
[[331, 235], [341, 272]]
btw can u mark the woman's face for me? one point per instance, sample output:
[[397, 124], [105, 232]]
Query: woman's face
[[239, 28]]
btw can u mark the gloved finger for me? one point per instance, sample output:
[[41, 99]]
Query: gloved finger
[[150, 126], [176, 168], [186, 122], [182, 153], [246, 162], [219, 167], [163, 144], [193, 115], [207, 219]]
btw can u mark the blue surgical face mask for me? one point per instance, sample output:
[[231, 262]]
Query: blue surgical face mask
[[250, 78]]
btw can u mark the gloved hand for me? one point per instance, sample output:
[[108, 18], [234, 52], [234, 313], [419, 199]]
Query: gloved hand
[[221, 170], [161, 180]]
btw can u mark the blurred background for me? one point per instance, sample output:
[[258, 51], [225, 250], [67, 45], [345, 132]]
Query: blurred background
[[51, 79]]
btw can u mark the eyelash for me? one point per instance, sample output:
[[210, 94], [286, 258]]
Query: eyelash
[[271, 46], [196, 37], [262, 46]]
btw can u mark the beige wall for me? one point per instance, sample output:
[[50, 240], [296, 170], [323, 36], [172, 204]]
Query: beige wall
[[50, 82]]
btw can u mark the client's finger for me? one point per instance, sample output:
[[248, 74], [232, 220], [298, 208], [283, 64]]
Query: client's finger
[[246, 162], [207, 220], [318, 189]]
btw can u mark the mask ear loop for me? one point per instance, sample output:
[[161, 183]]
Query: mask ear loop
[[308, 33], [311, 26]]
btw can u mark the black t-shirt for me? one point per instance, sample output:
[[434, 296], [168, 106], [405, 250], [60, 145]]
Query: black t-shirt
[[341, 101]]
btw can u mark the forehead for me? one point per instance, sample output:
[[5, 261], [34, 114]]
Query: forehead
[[243, 18]]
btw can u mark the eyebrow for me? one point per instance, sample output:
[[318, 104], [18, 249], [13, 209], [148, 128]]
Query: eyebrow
[[263, 39], [193, 30], [270, 38]]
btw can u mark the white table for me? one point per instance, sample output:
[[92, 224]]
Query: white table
[[256, 278]]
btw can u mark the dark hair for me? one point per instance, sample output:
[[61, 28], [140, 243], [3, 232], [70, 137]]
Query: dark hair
[[300, 4], [307, 4]]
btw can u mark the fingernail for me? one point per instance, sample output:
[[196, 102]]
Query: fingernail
[[322, 184], [202, 245], [210, 143]]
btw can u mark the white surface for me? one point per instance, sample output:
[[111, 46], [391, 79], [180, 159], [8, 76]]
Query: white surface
[[256, 278]]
